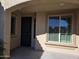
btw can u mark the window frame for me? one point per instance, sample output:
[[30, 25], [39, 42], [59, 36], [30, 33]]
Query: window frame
[[72, 36]]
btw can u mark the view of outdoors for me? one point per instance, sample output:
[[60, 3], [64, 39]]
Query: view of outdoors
[[60, 29]]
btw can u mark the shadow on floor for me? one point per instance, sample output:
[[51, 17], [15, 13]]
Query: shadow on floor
[[26, 53]]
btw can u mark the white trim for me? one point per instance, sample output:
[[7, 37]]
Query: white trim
[[59, 30], [32, 30], [62, 14], [60, 44]]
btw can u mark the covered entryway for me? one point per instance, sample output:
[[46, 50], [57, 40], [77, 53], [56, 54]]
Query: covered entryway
[[22, 32], [37, 38]]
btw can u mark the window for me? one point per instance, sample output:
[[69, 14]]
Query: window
[[13, 25], [60, 29]]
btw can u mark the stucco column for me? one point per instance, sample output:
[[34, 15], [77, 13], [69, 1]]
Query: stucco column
[[5, 22], [77, 29], [6, 33], [40, 31]]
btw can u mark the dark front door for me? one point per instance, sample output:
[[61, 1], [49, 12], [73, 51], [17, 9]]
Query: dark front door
[[26, 26]]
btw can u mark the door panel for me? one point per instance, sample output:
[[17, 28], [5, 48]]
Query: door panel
[[54, 28], [26, 31], [65, 29]]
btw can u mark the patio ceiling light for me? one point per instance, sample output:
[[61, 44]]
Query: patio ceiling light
[[61, 4]]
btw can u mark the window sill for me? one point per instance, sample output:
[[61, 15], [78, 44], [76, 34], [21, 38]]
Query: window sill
[[60, 44]]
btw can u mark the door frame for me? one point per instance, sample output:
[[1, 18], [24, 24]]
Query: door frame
[[32, 26], [72, 36]]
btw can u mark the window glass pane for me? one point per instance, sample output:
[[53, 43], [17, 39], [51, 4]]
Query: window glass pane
[[54, 28], [13, 25], [65, 29], [60, 29]]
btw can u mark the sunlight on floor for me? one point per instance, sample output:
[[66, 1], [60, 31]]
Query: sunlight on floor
[[27, 53]]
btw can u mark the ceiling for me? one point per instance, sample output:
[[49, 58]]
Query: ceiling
[[49, 5]]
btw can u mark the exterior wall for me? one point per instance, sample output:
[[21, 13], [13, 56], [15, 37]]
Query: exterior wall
[[41, 33], [7, 20], [5, 17], [10, 3], [15, 39], [41, 30], [77, 29]]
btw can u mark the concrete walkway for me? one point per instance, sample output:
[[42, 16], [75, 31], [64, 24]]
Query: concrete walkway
[[24, 53]]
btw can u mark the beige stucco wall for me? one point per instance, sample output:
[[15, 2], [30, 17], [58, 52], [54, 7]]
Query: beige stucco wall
[[41, 36], [41, 29], [5, 32], [5, 17], [77, 29], [15, 39], [11, 3]]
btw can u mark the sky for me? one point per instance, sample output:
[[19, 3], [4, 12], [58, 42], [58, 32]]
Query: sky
[[55, 23]]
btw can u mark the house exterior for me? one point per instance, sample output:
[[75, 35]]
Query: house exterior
[[39, 24]]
